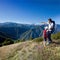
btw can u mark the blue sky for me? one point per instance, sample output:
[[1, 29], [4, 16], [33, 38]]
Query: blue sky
[[29, 11]]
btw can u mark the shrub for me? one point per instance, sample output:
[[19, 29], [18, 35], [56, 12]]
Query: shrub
[[8, 41], [38, 39], [17, 41], [56, 36]]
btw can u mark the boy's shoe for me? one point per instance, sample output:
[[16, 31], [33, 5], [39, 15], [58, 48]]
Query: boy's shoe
[[47, 43]]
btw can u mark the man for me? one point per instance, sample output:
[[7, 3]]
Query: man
[[51, 28]]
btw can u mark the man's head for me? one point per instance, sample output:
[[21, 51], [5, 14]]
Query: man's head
[[50, 20]]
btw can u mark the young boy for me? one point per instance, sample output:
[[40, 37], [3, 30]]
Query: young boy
[[45, 35]]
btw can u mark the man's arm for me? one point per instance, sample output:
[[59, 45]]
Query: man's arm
[[44, 22]]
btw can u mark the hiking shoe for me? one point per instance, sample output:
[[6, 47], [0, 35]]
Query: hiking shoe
[[47, 43]]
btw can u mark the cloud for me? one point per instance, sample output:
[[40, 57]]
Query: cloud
[[15, 21]]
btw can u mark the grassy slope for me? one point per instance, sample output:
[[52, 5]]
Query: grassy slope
[[30, 50]]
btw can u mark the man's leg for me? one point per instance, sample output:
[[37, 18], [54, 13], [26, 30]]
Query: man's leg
[[49, 37]]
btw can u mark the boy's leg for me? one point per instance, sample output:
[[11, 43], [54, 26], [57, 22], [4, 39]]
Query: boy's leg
[[44, 42]]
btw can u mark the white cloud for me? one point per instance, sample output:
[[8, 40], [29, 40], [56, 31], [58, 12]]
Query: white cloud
[[16, 21]]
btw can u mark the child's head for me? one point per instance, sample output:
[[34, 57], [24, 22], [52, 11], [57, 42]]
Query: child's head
[[46, 28]]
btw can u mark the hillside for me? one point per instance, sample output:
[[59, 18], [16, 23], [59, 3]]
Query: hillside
[[30, 50], [13, 30], [5, 40], [32, 33]]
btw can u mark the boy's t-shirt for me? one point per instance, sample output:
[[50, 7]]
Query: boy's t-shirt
[[45, 33]]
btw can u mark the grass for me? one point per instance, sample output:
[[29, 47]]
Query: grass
[[30, 50], [56, 36]]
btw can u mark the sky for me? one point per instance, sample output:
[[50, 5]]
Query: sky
[[29, 11]]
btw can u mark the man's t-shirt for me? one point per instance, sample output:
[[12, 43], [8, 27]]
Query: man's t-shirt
[[50, 26]]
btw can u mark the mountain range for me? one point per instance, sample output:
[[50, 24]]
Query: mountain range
[[22, 31]]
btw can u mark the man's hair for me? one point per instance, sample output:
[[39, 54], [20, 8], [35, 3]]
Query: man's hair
[[50, 19]]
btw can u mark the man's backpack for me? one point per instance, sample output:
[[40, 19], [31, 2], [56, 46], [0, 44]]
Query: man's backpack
[[53, 24], [53, 29]]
